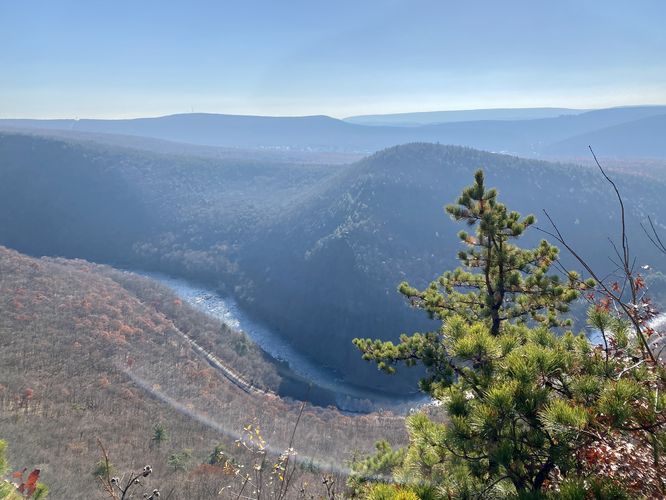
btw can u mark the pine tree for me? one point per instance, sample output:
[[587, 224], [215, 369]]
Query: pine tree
[[528, 409], [160, 435], [498, 280], [218, 456], [180, 460]]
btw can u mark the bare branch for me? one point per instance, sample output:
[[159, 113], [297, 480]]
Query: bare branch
[[654, 238], [557, 235]]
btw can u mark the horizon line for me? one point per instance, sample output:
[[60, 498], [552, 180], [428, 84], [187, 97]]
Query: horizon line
[[253, 115]]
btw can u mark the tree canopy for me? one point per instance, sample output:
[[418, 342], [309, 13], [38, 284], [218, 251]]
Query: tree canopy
[[530, 411]]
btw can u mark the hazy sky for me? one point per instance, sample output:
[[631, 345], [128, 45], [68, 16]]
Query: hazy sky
[[116, 58]]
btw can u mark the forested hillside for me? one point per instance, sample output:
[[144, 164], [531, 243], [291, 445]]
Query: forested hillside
[[104, 202], [344, 250], [363, 250], [90, 353], [316, 252], [621, 140]]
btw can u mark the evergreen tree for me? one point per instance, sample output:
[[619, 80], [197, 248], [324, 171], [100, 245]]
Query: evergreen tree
[[377, 467], [498, 281], [160, 435], [528, 410], [179, 461], [218, 456]]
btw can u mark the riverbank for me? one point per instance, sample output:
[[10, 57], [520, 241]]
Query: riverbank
[[300, 378]]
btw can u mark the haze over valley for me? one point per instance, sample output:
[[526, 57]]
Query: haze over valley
[[221, 225], [633, 131], [341, 237]]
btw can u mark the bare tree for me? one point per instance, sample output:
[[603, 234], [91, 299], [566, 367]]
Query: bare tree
[[628, 293]]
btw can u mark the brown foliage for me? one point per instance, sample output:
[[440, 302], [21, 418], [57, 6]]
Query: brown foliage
[[104, 356]]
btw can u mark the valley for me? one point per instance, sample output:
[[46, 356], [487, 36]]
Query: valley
[[302, 379], [108, 351], [313, 251], [223, 291], [376, 250]]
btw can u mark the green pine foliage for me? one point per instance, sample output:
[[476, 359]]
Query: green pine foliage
[[103, 469], [530, 412], [160, 435], [218, 456], [180, 460], [498, 280], [7, 489], [377, 467]]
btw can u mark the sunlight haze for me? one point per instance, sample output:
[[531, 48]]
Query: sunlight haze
[[129, 59]]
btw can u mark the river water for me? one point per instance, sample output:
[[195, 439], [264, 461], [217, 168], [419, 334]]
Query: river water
[[658, 323], [325, 386]]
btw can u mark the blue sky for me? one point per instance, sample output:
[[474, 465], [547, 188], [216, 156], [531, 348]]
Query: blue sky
[[94, 58]]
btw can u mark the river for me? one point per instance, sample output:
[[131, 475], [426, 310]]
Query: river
[[323, 386], [658, 323]]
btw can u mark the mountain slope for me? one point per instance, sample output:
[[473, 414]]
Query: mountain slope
[[162, 146], [623, 140], [340, 255], [532, 137], [90, 353], [324, 134], [304, 132], [316, 253], [113, 204]]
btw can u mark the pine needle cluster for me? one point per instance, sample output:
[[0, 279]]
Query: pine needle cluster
[[530, 411]]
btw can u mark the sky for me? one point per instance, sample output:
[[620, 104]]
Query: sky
[[120, 59]]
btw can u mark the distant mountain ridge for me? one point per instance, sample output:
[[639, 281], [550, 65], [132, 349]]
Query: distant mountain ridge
[[531, 135], [620, 140], [436, 117]]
